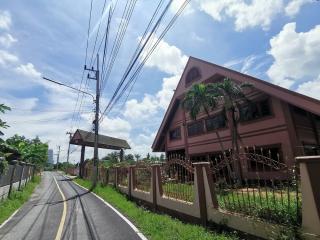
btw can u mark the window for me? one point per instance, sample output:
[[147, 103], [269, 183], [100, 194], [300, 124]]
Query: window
[[193, 75], [175, 134], [255, 110], [215, 122], [195, 128]]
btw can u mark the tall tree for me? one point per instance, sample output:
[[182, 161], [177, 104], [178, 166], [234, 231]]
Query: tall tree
[[206, 97], [3, 109], [200, 98]]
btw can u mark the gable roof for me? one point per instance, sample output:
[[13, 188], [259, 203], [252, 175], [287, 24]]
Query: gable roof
[[85, 138], [210, 70]]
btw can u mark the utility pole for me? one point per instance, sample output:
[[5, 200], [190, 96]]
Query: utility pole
[[96, 121], [70, 136], [58, 155]]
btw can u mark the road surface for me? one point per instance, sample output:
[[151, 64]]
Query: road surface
[[59, 209]]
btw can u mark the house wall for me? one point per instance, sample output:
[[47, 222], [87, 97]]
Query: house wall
[[266, 131]]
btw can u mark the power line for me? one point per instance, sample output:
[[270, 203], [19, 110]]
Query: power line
[[136, 73], [126, 16], [74, 115], [138, 52]]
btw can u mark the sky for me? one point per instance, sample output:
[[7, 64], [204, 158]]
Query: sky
[[275, 40]]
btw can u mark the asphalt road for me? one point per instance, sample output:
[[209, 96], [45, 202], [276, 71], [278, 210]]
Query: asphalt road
[[73, 214]]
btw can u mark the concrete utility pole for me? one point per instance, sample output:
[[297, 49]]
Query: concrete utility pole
[[95, 122], [58, 155], [70, 136]]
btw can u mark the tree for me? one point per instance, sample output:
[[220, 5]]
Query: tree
[[231, 95], [201, 98], [137, 156], [161, 159], [148, 156], [3, 147], [206, 97], [129, 158], [3, 109], [30, 150]]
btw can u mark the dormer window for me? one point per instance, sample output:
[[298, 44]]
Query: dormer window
[[193, 75]]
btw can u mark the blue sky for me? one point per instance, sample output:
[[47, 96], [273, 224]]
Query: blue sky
[[275, 40]]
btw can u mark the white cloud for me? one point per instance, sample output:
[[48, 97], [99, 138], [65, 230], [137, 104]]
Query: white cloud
[[176, 4], [171, 60], [7, 58], [246, 14], [141, 110], [165, 94], [197, 38], [310, 88], [294, 7], [115, 127], [167, 58], [5, 20], [28, 70], [250, 13], [296, 55], [7, 40]]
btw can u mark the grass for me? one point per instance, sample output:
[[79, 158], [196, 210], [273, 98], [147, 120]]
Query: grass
[[180, 191], [17, 199], [277, 207], [266, 205], [154, 226]]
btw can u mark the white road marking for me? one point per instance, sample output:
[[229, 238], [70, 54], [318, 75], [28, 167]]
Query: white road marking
[[134, 228], [12, 215], [64, 213]]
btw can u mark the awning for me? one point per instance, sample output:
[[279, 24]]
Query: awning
[[85, 138]]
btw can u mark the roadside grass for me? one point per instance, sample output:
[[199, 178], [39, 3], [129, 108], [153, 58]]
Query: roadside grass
[[17, 199], [154, 226]]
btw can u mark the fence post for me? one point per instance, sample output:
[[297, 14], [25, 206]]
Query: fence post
[[130, 182], [201, 190], [116, 177], [154, 176], [27, 171], [12, 176], [310, 192], [21, 175], [33, 170]]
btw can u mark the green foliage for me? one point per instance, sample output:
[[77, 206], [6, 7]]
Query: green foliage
[[17, 198], [129, 158], [154, 226], [3, 109], [137, 156], [3, 166], [162, 158], [30, 150]]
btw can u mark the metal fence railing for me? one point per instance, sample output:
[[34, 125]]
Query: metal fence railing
[[177, 178], [15, 177], [254, 183], [258, 186]]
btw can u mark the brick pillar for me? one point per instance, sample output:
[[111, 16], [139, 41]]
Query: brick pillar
[[310, 190], [201, 190], [155, 178]]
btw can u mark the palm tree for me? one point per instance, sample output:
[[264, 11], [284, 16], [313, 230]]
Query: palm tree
[[207, 97], [198, 99]]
